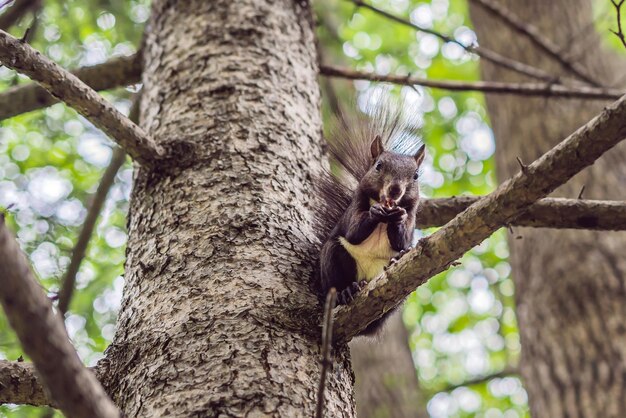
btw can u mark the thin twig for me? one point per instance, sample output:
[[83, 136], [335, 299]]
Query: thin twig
[[523, 89], [327, 338], [619, 33], [43, 337], [481, 379], [29, 33], [67, 289], [482, 52], [328, 88], [534, 35], [127, 70], [67, 87], [117, 160], [434, 253]]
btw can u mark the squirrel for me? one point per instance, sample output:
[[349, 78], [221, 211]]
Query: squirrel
[[366, 226]]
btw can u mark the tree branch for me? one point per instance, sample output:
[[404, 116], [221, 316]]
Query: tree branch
[[601, 215], [522, 89], [618, 9], [481, 379], [436, 252], [113, 73], [65, 295], [534, 35], [117, 160], [67, 87], [482, 52], [19, 384], [43, 337]]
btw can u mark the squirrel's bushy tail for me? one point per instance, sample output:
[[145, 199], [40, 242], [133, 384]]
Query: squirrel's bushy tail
[[350, 156]]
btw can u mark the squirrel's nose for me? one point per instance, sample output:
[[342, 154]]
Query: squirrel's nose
[[395, 191]]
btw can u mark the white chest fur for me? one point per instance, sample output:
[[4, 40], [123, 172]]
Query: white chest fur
[[371, 255]]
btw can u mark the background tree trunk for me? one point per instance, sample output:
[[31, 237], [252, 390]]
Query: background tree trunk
[[217, 301], [386, 380], [570, 285]]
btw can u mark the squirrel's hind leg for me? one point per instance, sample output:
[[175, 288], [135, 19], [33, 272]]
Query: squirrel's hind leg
[[339, 270]]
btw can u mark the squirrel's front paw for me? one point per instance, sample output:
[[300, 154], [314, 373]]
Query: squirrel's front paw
[[347, 295], [378, 212], [401, 254], [396, 215], [397, 258]]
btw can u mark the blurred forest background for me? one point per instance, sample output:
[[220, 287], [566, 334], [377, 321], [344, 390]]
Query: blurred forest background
[[462, 326]]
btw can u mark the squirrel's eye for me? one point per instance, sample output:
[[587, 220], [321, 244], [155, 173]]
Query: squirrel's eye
[[415, 176], [378, 166]]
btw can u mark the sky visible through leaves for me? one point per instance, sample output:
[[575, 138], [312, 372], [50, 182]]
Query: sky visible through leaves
[[462, 322]]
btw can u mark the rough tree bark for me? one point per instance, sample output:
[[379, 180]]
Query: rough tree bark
[[386, 380], [217, 311], [570, 285]]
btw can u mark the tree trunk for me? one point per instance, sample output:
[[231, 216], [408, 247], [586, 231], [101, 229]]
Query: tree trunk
[[570, 285], [217, 310], [386, 380]]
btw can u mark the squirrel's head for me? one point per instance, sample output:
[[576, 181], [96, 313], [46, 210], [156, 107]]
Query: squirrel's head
[[393, 177]]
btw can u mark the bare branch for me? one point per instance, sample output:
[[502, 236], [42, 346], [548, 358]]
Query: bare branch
[[558, 213], [522, 89], [618, 9], [117, 160], [14, 13], [481, 379], [482, 52], [327, 338], [113, 73], [436, 252], [43, 337], [67, 87], [19, 384], [65, 295], [534, 35], [522, 166]]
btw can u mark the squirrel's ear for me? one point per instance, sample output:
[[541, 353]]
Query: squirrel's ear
[[377, 147], [419, 155]]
